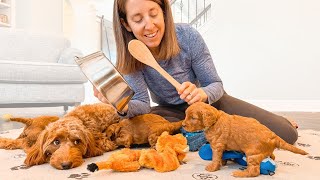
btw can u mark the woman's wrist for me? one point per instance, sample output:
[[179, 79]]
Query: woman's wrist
[[204, 96]]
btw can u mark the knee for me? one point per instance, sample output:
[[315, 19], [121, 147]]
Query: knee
[[291, 135]]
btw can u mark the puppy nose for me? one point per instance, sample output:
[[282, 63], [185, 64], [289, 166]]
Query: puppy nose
[[66, 165]]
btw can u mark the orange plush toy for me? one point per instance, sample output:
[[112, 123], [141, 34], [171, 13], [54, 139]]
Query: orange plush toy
[[169, 153]]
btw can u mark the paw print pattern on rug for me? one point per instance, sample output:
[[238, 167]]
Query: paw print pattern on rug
[[204, 176], [79, 176], [315, 134], [288, 163], [314, 157], [15, 168], [18, 156], [303, 145]]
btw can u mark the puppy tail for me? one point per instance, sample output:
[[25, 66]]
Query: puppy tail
[[176, 126], [286, 146], [27, 121]]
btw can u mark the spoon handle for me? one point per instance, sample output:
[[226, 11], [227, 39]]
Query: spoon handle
[[140, 51], [167, 76]]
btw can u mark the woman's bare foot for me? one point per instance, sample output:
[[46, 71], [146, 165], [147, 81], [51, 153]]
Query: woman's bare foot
[[293, 122]]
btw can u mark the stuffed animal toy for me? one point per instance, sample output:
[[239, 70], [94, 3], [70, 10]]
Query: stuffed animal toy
[[267, 166], [169, 153], [124, 160]]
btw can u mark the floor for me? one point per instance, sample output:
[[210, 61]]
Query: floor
[[305, 120]]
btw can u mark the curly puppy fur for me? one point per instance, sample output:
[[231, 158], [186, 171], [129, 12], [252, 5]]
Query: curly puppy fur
[[237, 133], [28, 137], [77, 135], [141, 129]]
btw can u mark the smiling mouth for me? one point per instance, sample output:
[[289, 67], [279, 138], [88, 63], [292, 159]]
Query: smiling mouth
[[151, 35]]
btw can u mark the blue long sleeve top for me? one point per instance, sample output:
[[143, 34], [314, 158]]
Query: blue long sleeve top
[[194, 63]]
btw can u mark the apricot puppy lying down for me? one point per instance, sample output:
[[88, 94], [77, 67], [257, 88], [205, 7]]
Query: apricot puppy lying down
[[141, 129], [79, 134], [236, 133], [28, 137]]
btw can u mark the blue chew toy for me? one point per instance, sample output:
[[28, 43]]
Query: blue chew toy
[[195, 139], [267, 166]]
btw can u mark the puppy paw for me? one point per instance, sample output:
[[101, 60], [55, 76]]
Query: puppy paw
[[224, 162], [213, 167], [110, 146], [239, 173], [244, 173]]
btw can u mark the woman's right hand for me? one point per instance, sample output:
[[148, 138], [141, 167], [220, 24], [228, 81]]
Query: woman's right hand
[[191, 94], [98, 95]]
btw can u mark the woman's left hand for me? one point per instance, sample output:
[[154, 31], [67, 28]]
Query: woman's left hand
[[191, 94]]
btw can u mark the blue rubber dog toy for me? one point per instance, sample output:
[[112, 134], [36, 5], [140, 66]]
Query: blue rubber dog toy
[[195, 139], [267, 166]]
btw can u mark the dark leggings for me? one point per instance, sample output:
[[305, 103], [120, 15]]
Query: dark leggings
[[278, 124]]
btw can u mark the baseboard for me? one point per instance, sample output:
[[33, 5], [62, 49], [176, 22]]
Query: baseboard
[[288, 105]]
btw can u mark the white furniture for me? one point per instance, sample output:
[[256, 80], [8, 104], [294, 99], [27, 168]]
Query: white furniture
[[6, 13], [38, 69]]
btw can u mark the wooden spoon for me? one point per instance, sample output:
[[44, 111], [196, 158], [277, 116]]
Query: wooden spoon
[[140, 51]]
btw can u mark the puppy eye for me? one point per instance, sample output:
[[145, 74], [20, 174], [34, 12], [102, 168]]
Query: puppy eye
[[77, 141], [56, 142]]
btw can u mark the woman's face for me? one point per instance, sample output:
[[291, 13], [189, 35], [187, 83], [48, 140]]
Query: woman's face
[[145, 20]]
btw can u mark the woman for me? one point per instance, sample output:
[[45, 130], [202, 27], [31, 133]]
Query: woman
[[181, 51]]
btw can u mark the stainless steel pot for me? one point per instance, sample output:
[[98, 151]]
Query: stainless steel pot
[[106, 78]]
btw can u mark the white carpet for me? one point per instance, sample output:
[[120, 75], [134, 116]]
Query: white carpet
[[289, 165]]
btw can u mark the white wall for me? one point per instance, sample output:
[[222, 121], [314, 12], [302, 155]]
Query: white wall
[[39, 15], [268, 52], [82, 27]]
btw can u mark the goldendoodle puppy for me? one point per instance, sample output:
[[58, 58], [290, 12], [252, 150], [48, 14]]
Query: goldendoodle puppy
[[235, 133], [141, 129], [33, 127], [79, 134]]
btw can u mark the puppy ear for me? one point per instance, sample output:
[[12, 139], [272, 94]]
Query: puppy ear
[[35, 155], [112, 131], [92, 146], [209, 115]]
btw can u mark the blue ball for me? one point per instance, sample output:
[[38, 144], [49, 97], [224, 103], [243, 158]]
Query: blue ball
[[205, 153]]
